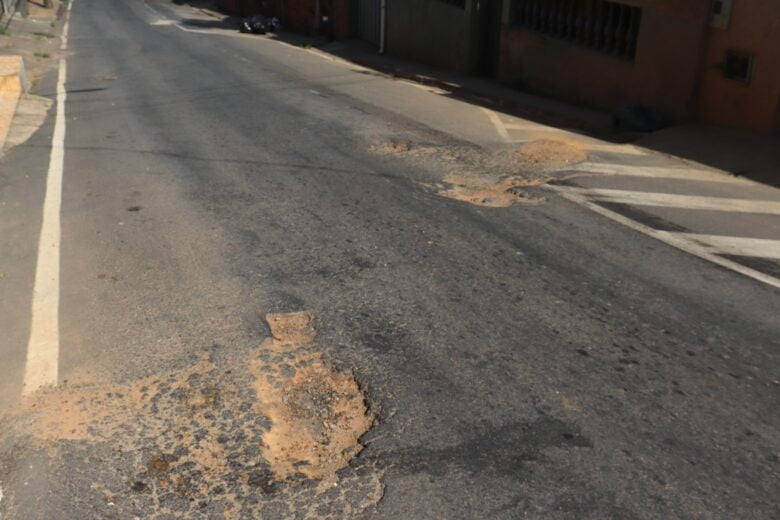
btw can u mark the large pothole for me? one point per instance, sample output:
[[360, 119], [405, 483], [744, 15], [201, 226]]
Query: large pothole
[[497, 178], [219, 438]]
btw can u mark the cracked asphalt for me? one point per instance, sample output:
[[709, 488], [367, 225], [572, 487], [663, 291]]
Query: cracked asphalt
[[528, 361]]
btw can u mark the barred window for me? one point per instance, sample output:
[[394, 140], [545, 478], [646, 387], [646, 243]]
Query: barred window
[[608, 27]]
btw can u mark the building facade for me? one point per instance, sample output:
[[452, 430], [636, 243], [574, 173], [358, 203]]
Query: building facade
[[717, 61]]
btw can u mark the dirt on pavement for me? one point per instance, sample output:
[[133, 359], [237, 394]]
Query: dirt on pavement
[[278, 426], [492, 178]]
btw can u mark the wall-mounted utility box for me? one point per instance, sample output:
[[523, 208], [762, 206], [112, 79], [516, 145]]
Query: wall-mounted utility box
[[738, 66], [720, 14]]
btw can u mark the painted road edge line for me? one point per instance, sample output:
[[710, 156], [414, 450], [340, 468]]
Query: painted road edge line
[[43, 346], [666, 237]]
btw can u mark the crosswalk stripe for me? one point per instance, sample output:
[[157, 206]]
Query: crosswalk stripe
[[669, 200], [740, 246], [656, 172], [528, 125], [673, 239], [623, 149]]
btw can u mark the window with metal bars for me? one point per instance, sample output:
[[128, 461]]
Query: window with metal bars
[[607, 27]]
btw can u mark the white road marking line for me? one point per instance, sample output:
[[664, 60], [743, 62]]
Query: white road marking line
[[672, 239], [216, 32], [740, 246], [671, 200], [623, 149], [528, 125], [43, 346], [497, 123], [656, 172]]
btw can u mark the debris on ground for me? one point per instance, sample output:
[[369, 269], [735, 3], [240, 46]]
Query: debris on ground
[[259, 24]]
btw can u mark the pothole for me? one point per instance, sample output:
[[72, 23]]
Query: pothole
[[216, 433], [408, 148], [500, 193], [492, 178], [549, 154]]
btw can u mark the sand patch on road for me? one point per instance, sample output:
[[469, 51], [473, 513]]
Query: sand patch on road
[[549, 154], [500, 193], [216, 430]]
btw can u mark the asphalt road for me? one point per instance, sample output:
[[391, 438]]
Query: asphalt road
[[533, 361]]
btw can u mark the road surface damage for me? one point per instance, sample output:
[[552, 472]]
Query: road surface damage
[[482, 177], [225, 438]]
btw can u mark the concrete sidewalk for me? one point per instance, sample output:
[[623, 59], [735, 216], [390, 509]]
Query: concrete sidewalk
[[28, 50]]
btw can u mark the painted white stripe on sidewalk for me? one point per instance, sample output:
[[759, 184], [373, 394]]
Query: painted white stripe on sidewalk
[[43, 347], [670, 200], [741, 246], [672, 239]]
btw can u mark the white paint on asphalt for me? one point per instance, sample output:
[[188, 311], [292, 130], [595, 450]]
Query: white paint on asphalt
[[43, 347], [656, 172], [623, 149], [671, 200], [527, 130], [741, 246], [215, 32], [677, 240], [528, 125], [500, 128]]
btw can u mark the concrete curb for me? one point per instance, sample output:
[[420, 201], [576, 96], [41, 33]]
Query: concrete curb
[[13, 83]]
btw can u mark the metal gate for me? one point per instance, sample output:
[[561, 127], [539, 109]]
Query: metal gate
[[370, 20]]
